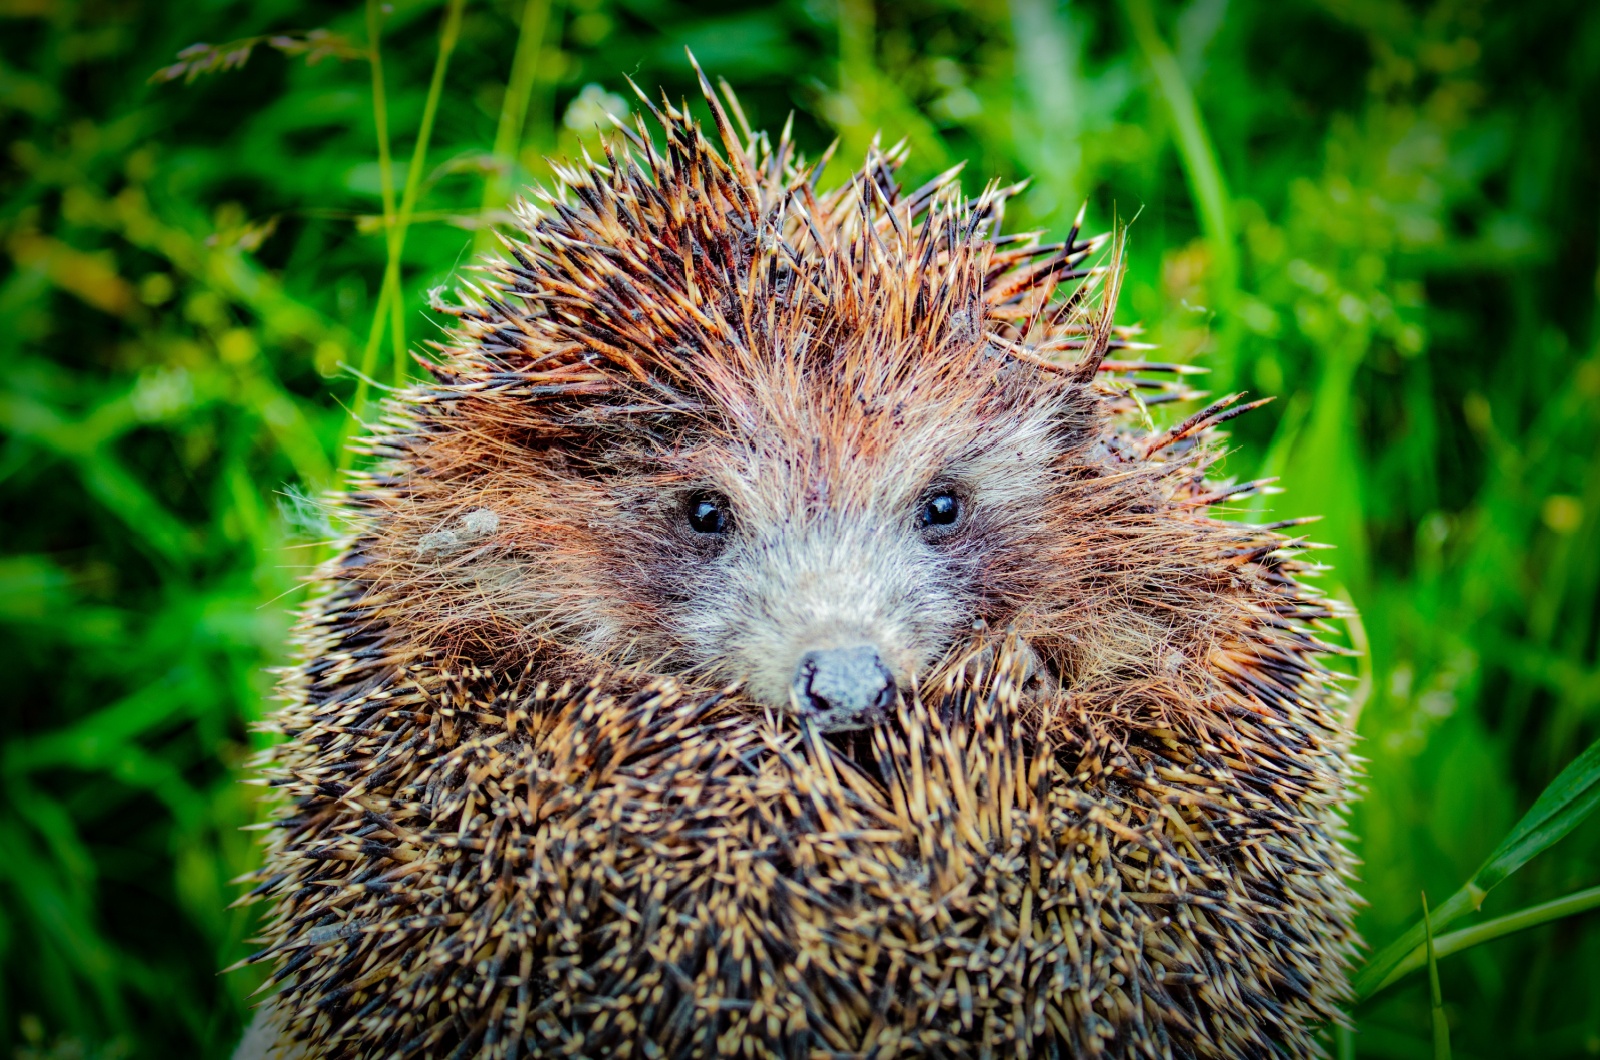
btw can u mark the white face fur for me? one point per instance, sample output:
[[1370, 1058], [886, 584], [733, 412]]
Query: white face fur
[[793, 584], [889, 538]]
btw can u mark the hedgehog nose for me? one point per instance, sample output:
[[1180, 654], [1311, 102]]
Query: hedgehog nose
[[843, 688]]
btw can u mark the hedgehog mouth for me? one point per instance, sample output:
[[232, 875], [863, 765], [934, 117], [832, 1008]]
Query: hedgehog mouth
[[855, 745]]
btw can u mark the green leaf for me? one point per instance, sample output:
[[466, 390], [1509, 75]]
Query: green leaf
[[1563, 805]]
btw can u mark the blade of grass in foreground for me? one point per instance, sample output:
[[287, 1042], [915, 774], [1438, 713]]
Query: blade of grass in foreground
[[1570, 798], [380, 312], [1201, 166], [396, 221], [449, 33], [1441, 1026], [1489, 930], [513, 116]]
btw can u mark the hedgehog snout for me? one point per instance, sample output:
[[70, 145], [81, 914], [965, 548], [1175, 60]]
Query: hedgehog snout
[[843, 688]]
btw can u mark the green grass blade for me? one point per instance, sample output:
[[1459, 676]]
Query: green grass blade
[[1489, 930], [380, 312], [1562, 806], [513, 114], [56, 903], [1441, 1026], [380, 110], [110, 730], [1199, 156], [396, 221], [449, 33]]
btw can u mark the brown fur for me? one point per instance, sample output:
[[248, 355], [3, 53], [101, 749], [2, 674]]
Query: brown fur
[[1153, 733]]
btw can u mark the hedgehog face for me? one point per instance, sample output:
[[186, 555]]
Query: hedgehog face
[[819, 549], [820, 532]]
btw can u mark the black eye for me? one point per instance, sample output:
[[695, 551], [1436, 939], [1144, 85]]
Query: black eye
[[709, 515], [942, 509]]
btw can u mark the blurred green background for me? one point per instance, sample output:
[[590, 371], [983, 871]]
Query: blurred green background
[[1383, 213]]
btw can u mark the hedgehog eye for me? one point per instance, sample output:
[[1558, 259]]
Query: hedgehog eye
[[940, 510], [709, 515]]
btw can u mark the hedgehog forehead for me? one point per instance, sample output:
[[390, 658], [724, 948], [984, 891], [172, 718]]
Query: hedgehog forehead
[[830, 439]]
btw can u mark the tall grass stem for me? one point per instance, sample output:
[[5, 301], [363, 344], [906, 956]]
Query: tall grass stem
[[1204, 173], [513, 115], [380, 124], [1441, 1026], [1456, 941], [449, 33]]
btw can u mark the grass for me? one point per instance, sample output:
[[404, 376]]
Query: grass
[[1441, 1022], [1381, 213], [1566, 803]]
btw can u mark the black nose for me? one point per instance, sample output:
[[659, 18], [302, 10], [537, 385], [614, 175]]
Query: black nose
[[843, 688]]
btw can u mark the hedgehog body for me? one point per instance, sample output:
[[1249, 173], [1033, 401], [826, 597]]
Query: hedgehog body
[[777, 630]]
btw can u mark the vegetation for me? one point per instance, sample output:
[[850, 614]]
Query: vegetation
[[1383, 213]]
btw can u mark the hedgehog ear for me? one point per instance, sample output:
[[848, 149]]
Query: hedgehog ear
[[1078, 418], [968, 324]]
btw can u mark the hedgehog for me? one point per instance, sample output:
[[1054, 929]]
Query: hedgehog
[[777, 627]]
